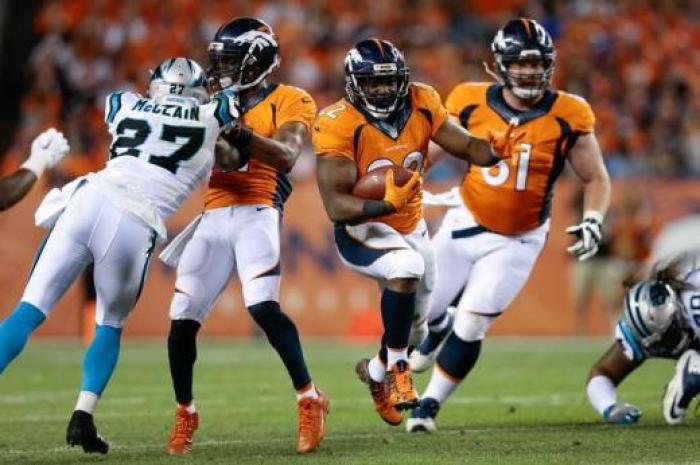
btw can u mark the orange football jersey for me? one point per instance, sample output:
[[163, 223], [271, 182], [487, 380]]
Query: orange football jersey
[[515, 196], [256, 182], [343, 130]]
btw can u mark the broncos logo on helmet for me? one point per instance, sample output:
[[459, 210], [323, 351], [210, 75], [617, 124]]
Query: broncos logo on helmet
[[520, 41], [376, 77], [242, 54]]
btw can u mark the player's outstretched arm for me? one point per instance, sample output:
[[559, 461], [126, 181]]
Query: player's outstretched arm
[[280, 151], [48, 148], [460, 143], [14, 187], [336, 178], [605, 375], [587, 161]]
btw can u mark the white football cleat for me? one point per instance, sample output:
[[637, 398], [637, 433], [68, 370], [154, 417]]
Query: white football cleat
[[682, 388], [423, 417], [423, 357]]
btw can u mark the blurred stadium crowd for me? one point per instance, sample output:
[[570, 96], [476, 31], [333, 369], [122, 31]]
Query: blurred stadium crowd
[[636, 61]]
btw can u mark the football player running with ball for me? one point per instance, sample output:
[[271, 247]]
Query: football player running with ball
[[488, 244], [162, 149], [240, 226], [660, 318], [386, 120]]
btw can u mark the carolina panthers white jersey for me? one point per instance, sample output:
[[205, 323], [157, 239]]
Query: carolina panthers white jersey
[[691, 297], [161, 151]]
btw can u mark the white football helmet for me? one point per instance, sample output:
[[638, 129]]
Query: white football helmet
[[181, 77], [656, 316]]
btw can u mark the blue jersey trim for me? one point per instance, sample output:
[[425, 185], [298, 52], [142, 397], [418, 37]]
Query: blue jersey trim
[[115, 104], [637, 352]]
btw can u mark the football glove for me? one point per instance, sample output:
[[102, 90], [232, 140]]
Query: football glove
[[622, 414], [589, 233], [399, 196], [48, 148]]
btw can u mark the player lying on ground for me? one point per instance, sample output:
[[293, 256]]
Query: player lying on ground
[[162, 148], [386, 120], [490, 239], [661, 318], [241, 224], [48, 148]]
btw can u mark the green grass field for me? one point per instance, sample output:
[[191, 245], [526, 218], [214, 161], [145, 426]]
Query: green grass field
[[524, 403]]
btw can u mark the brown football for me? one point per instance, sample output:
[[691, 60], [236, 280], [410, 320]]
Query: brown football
[[371, 185]]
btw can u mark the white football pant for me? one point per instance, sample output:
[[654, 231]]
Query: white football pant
[[492, 268], [244, 236], [380, 252], [93, 229]]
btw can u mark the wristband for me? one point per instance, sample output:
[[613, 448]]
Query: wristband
[[593, 215], [35, 165], [372, 208]]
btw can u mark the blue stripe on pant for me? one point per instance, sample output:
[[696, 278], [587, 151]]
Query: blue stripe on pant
[[354, 251]]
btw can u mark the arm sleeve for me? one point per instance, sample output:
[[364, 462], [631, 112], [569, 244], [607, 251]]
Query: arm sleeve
[[331, 138], [297, 107], [452, 103], [582, 117]]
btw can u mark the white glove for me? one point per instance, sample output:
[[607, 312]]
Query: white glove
[[589, 235], [48, 148]]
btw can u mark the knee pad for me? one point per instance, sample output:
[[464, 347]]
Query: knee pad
[[470, 326], [405, 264], [268, 313]]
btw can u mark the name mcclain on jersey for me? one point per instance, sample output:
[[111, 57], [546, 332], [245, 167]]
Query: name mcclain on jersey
[[147, 106]]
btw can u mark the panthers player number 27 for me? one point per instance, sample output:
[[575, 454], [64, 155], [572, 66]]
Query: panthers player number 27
[[134, 132]]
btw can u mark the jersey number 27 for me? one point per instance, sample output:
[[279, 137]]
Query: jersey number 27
[[140, 130]]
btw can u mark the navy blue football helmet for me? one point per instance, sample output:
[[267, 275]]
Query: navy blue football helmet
[[242, 54], [376, 77], [523, 40]]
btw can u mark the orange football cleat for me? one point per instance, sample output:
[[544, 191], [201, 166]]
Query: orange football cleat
[[186, 424], [402, 394], [379, 393], [312, 422]]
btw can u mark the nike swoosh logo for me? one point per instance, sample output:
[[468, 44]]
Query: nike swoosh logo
[[258, 209], [673, 413]]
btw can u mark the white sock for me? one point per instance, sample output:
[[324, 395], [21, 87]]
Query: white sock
[[441, 386], [87, 401], [309, 392], [601, 393], [395, 355], [377, 369], [189, 408]]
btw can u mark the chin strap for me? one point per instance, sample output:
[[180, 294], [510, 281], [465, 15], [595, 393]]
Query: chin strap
[[491, 73]]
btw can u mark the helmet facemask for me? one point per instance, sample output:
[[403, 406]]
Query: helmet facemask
[[381, 92], [179, 77], [239, 69], [529, 83]]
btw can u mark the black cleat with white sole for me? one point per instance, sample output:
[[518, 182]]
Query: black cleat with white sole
[[682, 388], [423, 417], [82, 432]]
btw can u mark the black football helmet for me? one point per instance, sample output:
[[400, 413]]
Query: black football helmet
[[523, 40], [242, 54], [376, 77]]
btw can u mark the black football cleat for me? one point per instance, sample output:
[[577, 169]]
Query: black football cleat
[[82, 432]]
